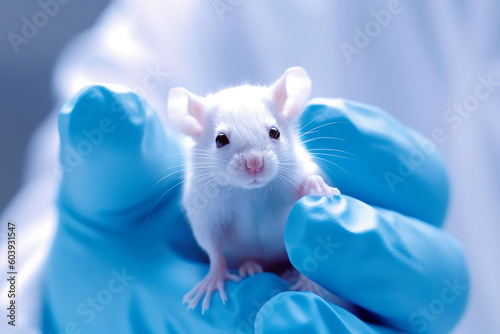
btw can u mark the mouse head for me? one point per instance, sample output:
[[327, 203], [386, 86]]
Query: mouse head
[[244, 133]]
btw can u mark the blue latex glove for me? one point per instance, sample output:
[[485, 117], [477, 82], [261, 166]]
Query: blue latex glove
[[124, 256]]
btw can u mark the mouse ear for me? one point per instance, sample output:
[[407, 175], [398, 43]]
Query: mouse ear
[[291, 92], [185, 110]]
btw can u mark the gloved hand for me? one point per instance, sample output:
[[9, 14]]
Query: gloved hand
[[124, 256], [381, 249]]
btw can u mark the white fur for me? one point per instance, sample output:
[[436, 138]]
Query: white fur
[[222, 200]]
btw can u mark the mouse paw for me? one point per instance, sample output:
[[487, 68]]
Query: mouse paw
[[250, 268], [214, 280], [305, 284], [316, 186]]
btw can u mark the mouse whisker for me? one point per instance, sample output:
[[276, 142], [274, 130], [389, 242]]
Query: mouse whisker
[[159, 199], [204, 179], [290, 157], [277, 184], [200, 175], [181, 165], [173, 155], [202, 166], [288, 178], [188, 153], [214, 185], [291, 163], [207, 159], [292, 171], [313, 130], [199, 149], [161, 179], [225, 189], [316, 138], [280, 182], [330, 162], [201, 160], [333, 155], [206, 184], [291, 174], [310, 132], [166, 176], [204, 154], [203, 185], [333, 150], [290, 166], [313, 120], [177, 171], [291, 181]]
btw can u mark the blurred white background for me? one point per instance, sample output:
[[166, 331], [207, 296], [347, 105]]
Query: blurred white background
[[25, 89]]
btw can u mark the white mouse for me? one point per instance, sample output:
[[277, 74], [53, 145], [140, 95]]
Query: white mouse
[[245, 171]]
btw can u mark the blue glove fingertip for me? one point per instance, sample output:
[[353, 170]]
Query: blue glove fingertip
[[114, 154], [370, 155]]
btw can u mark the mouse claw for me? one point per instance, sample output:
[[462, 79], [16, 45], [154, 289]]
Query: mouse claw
[[335, 192], [249, 268], [214, 280], [316, 186]]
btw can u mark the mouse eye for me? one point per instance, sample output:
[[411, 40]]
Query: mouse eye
[[221, 140], [274, 133]]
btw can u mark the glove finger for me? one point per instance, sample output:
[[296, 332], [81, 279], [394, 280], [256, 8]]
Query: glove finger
[[113, 147], [409, 274], [371, 156], [120, 172], [299, 312]]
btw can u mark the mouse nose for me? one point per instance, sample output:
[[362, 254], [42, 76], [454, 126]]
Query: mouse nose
[[254, 163]]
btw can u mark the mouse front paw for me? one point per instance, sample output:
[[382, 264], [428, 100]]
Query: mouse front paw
[[214, 280], [316, 186]]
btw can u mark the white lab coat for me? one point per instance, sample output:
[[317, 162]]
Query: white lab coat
[[416, 59]]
